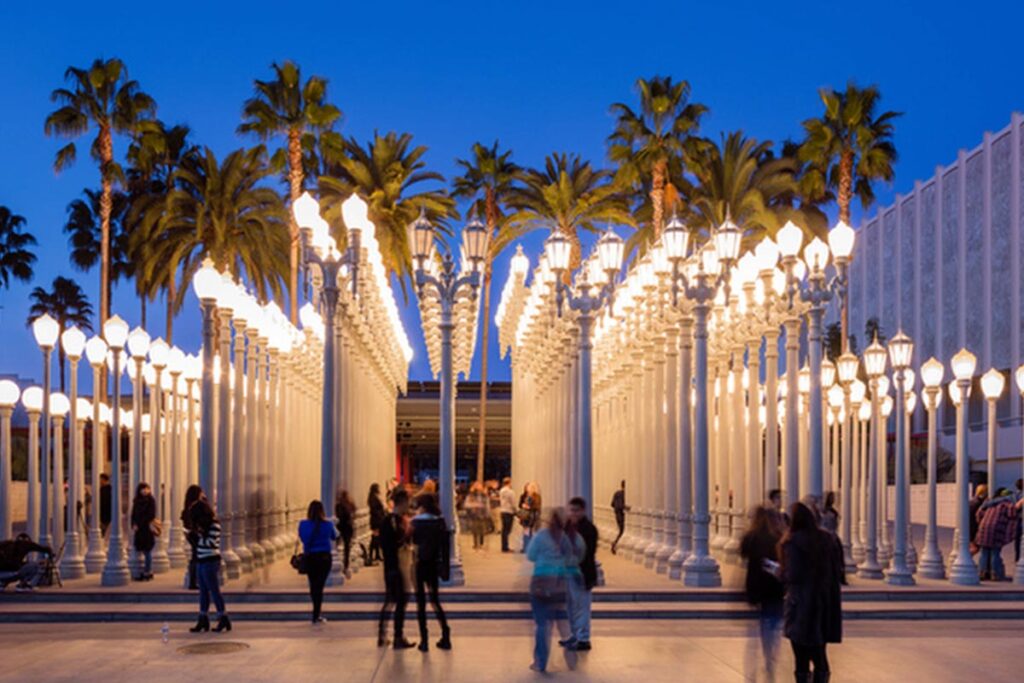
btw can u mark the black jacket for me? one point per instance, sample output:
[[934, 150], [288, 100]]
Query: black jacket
[[812, 571], [430, 534], [392, 538], [763, 588], [12, 553], [343, 513], [143, 512], [377, 512], [588, 566], [105, 503]]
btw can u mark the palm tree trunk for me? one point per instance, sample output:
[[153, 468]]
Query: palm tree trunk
[[106, 206], [171, 295], [658, 197], [845, 196], [60, 359], [295, 187], [486, 324], [142, 310]]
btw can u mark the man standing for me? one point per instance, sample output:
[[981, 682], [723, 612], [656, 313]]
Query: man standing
[[104, 502], [507, 506], [393, 535], [580, 588], [620, 508]]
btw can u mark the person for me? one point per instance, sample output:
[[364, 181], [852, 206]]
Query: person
[[529, 512], [507, 505], [345, 512], [980, 496], [581, 585], [204, 537], [781, 519], [192, 494], [15, 566], [377, 515], [493, 503], [830, 516], [620, 508], [429, 486], [759, 548], [104, 502], [142, 518], [1020, 522], [477, 509], [394, 535], [556, 552], [433, 563], [811, 571], [997, 525], [316, 534]]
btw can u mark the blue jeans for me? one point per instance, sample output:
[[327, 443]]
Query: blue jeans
[[991, 562], [545, 612], [770, 620], [207, 574], [579, 609], [147, 562]]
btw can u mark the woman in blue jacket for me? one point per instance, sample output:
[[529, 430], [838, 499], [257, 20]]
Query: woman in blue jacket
[[316, 534]]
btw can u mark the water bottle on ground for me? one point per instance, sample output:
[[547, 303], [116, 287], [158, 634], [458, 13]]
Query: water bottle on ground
[[165, 632]]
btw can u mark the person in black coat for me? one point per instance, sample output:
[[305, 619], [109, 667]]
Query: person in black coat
[[812, 573], [377, 515], [433, 564], [759, 548], [345, 512], [394, 535], [579, 594], [143, 514], [193, 494], [104, 502]]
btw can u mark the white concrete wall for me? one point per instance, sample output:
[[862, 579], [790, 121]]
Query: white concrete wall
[[945, 496]]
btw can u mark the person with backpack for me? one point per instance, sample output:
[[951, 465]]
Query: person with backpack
[[433, 563], [316, 534]]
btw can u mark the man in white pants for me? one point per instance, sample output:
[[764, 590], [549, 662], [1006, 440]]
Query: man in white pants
[[579, 594]]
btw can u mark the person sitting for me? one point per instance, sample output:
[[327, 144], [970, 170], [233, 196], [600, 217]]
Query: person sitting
[[997, 525], [13, 565]]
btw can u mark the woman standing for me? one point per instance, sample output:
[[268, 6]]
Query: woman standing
[[194, 493], [345, 512], [477, 509], [556, 553], [430, 534], [316, 534], [759, 548], [812, 572], [143, 516], [529, 512], [377, 515], [205, 539]]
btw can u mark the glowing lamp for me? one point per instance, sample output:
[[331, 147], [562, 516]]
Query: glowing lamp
[[992, 384], [73, 341], [115, 331], [963, 364], [790, 239], [45, 330], [138, 343], [840, 241], [557, 249], [355, 213], [9, 393], [206, 282], [676, 238]]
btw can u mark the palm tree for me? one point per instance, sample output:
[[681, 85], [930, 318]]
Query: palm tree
[[67, 304], [646, 142], [487, 180], [387, 172], [223, 210], [100, 96], [568, 195], [847, 149], [154, 156], [285, 106], [741, 178], [84, 228], [16, 257]]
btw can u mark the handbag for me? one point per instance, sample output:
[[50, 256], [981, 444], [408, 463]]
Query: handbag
[[156, 528], [548, 588], [298, 560]]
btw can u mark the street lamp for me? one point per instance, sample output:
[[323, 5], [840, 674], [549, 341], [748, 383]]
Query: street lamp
[[901, 350], [992, 384], [9, 395], [1018, 577], [846, 370], [206, 285], [73, 564], [32, 399], [608, 258], [59, 406], [96, 553], [115, 573], [45, 329], [874, 363], [963, 572], [931, 565]]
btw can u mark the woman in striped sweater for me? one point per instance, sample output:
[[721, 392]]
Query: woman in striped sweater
[[205, 539]]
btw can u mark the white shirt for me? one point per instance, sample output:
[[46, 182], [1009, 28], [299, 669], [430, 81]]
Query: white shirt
[[508, 500]]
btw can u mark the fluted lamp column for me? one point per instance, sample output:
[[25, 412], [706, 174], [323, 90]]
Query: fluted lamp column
[[1018, 576], [45, 330], [931, 565], [73, 564], [901, 351], [874, 363], [963, 571], [9, 395], [96, 554], [115, 572]]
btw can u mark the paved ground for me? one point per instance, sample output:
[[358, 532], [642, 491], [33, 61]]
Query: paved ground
[[624, 651]]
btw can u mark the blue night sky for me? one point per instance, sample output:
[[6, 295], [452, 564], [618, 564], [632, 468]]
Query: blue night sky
[[537, 76]]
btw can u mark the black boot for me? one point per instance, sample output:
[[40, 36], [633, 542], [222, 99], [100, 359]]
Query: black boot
[[203, 624], [446, 641], [223, 624], [424, 646], [402, 644], [821, 676]]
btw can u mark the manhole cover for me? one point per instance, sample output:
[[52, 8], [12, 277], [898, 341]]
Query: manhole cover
[[221, 648]]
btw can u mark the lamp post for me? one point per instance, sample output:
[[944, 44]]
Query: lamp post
[[447, 286], [846, 369], [931, 565], [59, 406], [992, 384], [874, 364], [817, 292], [858, 390], [175, 551], [96, 553], [901, 350], [45, 330], [138, 347], [963, 572], [73, 564], [158, 352], [606, 264], [32, 399], [115, 572], [205, 284], [9, 395], [1018, 576], [699, 280]]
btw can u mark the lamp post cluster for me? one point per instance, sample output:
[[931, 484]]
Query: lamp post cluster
[[449, 312]]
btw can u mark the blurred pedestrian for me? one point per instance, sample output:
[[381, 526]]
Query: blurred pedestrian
[[393, 536], [582, 582], [344, 513], [620, 508], [556, 552], [477, 510], [145, 528], [377, 515], [433, 564], [507, 505], [759, 548]]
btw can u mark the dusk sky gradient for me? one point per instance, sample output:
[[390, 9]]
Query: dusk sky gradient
[[538, 76]]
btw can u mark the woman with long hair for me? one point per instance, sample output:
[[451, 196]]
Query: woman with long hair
[[377, 515], [344, 513], [759, 548], [430, 534], [556, 552], [812, 572], [316, 534], [143, 516], [204, 536], [192, 494]]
